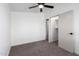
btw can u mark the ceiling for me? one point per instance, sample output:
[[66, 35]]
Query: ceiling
[[23, 7]]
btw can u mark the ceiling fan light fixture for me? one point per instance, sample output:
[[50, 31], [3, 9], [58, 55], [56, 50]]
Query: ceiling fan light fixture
[[40, 6]]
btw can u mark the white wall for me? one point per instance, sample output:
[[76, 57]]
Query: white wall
[[27, 27], [61, 8], [4, 30]]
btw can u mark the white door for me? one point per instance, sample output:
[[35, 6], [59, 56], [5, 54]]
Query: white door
[[65, 25]]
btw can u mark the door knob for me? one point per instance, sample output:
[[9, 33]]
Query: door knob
[[71, 33]]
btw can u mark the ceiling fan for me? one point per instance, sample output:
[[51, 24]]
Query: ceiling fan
[[41, 6]]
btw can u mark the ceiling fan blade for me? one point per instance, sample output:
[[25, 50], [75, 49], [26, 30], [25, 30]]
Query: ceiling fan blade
[[41, 10], [48, 6], [40, 3], [33, 6]]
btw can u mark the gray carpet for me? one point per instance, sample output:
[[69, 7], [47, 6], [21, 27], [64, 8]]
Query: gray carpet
[[41, 48]]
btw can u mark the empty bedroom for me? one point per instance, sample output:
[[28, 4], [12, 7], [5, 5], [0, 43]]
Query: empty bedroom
[[39, 29]]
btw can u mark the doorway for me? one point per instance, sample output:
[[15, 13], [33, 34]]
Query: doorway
[[60, 30], [52, 29]]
